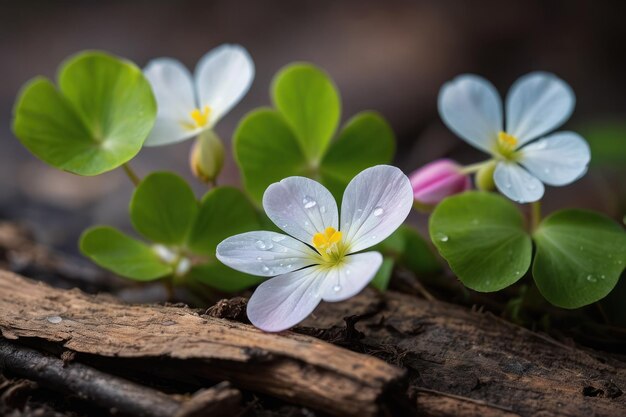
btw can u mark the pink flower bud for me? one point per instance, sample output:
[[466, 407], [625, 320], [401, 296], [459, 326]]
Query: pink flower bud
[[437, 180]]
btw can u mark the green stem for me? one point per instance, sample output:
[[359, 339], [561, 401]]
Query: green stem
[[535, 215], [470, 169], [169, 288], [131, 174]]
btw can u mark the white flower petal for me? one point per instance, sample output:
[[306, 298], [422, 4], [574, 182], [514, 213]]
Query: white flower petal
[[558, 159], [374, 205], [173, 91], [223, 77], [536, 104], [284, 301], [265, 253], [516, 183], [301, 207], [471, 107], [348, 279]]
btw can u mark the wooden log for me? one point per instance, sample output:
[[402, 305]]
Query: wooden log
[[296, 368], [464, 362]]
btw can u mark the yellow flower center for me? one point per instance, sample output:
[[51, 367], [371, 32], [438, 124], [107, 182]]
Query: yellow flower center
[[328, 244], [506, 145], [200, 118]]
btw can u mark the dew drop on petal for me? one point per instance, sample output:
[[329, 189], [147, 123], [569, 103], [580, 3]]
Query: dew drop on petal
[[308, 202], [531, 185], [278, 238], [378, 211], [265, 269], [289, 266], [337, 288], [258, 258], [55, 319], [260, 245]]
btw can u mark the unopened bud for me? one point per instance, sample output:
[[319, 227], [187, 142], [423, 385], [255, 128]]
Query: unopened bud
[[207, 157], [484, 177], [437, 180]]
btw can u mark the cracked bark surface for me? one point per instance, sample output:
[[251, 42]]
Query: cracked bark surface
[[393, 354], [293, 367]]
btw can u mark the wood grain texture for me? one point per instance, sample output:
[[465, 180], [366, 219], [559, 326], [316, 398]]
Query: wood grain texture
[[470, 363], [297, 368]]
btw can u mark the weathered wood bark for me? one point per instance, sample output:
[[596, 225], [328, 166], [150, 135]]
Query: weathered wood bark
[[293, 367], [459, 362], [469, 363]]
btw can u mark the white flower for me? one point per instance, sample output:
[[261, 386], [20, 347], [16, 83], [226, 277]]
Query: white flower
[[320, 261], [536, 104], [188, 106]]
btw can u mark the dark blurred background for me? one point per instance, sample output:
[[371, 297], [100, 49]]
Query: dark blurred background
[[389, 56]]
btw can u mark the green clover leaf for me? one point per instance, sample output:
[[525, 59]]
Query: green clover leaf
[[123, 255], [96, 120], [296, 138], [224, 212], [163, 208], [482, 237], [580, 257], [267, 151], [310, 104]]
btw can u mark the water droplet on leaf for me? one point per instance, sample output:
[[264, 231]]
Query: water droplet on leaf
[[442, 237]]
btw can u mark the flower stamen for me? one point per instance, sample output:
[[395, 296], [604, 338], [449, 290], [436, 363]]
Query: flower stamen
[[506, 145], [200, 118], [327, 244]]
